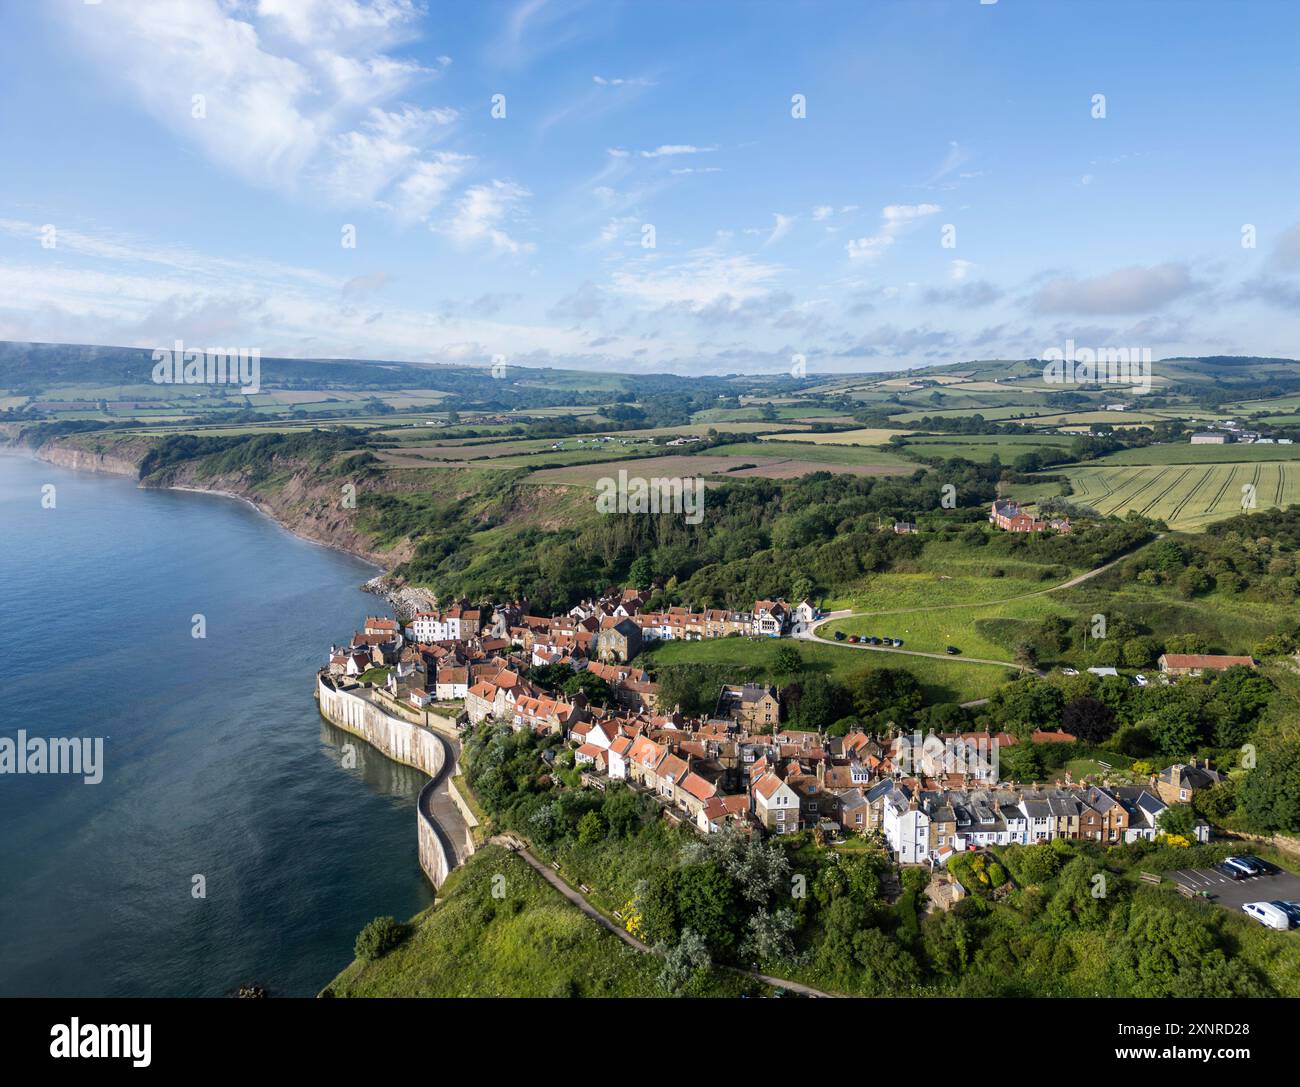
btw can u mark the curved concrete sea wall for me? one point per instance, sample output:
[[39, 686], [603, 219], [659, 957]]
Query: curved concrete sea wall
[[406, 743]]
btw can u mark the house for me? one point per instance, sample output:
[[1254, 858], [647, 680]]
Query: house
[[906, 528], [750, 704], [429, 626], [1177, 784], [776, 805], [1193, 664], [906, 825], [451, 683], [770, 618], [1207, 437], [720, 810], [620, 641], [1009, 517]]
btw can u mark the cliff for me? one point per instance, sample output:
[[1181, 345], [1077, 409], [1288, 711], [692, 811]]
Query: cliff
[[297, 495]]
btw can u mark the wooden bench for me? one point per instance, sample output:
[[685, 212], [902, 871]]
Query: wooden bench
[[1148, 877]]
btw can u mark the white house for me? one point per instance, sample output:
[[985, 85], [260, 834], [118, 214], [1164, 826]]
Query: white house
[[906, 827]]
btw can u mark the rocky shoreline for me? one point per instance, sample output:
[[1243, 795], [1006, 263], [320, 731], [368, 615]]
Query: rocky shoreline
[[406, 600]]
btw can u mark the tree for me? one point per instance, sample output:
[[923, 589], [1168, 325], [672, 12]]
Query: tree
[[379, 937], [1178, 819], [641, 571], [684, 962], [591, 828], [597, 690], [890, 693], [788, 659], [706, 896], [622, 809], [1090, 720], [1270, 793], [888, 969], [769, 935], [823, 702]]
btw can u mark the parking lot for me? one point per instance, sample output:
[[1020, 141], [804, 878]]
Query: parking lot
[[1233, 894]]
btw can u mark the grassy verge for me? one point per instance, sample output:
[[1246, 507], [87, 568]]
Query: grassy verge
[[528, 943]]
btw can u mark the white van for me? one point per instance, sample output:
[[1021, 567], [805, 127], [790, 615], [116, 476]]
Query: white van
[[1268, 914]]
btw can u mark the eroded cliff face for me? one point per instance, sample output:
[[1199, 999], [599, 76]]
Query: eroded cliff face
[[69, 455], [302, 499]]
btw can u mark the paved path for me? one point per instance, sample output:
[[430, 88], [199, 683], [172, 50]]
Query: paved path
[[516, 846]]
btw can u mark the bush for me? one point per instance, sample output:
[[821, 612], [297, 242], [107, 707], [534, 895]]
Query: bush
[[379, 937]]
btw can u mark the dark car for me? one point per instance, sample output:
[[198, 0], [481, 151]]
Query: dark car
[[952, 651], [874, 641], [839, 635], [1245, 864], [1263, 865], [1232, 872], [1291, 909], [898, 642]]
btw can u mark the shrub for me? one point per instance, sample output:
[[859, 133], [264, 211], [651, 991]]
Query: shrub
[[379, 937]]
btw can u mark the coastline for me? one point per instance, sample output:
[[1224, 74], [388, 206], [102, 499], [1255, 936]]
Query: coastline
[[38, 453]]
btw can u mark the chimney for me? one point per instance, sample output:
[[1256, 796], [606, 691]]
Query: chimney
[[821, 772]]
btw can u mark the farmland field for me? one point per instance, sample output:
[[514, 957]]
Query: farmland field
[[1185, 496], [1186, 453], [742, 461], [865, 436], [941, 680]]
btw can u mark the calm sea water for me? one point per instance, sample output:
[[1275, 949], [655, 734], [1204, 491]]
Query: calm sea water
[[216, 761]]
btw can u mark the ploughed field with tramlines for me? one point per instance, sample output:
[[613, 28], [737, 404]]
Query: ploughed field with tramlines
[[1186, 496]]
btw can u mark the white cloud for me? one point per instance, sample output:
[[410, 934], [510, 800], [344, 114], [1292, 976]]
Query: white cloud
[[292, 89], [781, 227], [894, 219], [666, 149], [704, 277], [822, 211], [1126, 290], [481, 213]]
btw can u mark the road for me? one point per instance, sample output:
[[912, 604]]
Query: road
[[516, 846], [810, 634]]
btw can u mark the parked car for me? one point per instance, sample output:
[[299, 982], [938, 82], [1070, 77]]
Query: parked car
[[1268, 914], [1291, 909], [839, 635], [1069, 671], [1247, 866], [1230, 870], [853, 638], [898, 642], [874, 640], [1140, 680], [952, 651], [1267, 868]]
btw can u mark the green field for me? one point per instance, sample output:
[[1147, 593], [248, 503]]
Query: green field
[[1186, 453], [981, 448], [941, 680], [1185, 496]]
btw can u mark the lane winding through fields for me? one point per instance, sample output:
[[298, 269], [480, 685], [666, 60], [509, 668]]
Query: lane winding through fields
[[810, 633]]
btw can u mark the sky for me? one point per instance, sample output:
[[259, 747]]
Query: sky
[[695, 187]]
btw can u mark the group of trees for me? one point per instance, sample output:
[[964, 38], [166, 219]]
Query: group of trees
[[1255, 555], [1208, 714]]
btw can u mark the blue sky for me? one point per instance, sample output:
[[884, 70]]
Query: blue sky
[[774, 236]]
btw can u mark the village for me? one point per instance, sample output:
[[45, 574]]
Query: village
[[924, 797]]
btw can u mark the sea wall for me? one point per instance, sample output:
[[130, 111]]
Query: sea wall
[[406, 743]]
